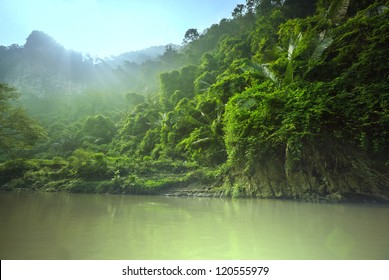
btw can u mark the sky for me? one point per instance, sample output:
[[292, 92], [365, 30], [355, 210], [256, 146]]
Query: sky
[[109, 27]]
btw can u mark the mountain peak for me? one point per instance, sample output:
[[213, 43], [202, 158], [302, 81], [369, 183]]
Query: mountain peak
[[38, 39]]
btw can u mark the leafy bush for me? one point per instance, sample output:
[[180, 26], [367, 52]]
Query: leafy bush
[[88, 165], [14, 169]]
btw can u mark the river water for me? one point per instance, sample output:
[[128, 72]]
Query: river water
[[87, 226]]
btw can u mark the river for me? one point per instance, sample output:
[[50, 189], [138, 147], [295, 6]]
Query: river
[[86, 226]]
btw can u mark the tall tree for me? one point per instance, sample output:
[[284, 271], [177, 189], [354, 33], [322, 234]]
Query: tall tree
[[191, 35], [238, 11], [17, 129]]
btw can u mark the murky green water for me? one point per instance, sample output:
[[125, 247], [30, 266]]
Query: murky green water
[[78, 226]]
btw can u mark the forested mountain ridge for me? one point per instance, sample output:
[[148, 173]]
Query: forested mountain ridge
[[288, 99], [42, 67]]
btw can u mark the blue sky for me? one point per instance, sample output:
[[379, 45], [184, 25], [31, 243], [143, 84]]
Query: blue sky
[[109, 27]]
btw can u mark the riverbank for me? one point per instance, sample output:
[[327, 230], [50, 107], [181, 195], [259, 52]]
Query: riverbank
[[172, 178], [206, 192], [178, 188]]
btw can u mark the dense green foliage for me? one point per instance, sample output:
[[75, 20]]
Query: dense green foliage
[[17, 130], [288, 99]]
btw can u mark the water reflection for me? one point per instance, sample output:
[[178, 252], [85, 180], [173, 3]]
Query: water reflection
[[77, 226]]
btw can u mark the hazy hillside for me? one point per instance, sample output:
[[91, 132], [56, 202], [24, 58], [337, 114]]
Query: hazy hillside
[[140, 56], [43, 67]]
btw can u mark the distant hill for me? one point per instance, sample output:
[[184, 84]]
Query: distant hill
[[140, 56], [43, 67]]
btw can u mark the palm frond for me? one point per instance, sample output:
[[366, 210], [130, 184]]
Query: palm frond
[[247, 103], [320, 48], [293, 45], [268, 73], [338, 9], [264, 70]]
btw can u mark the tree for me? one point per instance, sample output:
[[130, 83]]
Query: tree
[[17, 129], [133, 99], [191, 35], [99, 128], [299, 8], [238, 11], [265, 7]]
